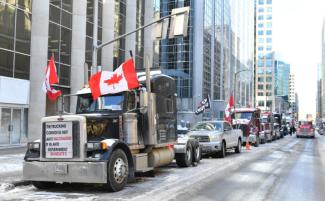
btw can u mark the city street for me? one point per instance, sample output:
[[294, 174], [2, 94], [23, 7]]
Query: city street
[[287, 169]]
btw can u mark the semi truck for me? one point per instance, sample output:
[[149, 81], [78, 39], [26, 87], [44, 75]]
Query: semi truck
[[111, 139]]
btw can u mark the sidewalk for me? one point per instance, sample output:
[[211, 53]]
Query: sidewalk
[[11, 162]]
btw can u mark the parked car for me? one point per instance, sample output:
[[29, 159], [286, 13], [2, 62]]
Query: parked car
[[248, 120], [321, 128], [215, 137], [305, 129]]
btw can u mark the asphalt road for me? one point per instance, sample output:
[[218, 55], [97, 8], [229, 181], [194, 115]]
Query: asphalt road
[[294, 172], [286, 169]]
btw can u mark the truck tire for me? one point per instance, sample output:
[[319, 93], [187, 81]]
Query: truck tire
[[185, 159], [117, 171], [222, 152], [238, 147], [197, 153], [43, 184]]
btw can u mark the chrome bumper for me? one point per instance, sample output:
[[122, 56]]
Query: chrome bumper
[[79, 172], [208, 147]]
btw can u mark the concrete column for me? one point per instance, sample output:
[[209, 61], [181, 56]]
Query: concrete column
[[148, 39], [38, 62], [108, 34], [131, 24], [79, 14], [198, 53]]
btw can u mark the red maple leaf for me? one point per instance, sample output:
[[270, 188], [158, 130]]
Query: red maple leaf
[[115, 79]]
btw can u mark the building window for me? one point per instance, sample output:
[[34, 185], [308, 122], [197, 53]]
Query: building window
[[268, 79], [260, 40], [269, 25], [269, 103], [260, 48], [261, 103], [261, 2], [269, 9], [269, 40], [15, 33], [260, 86], [260, 79], [268, 32], [268, 48], [260, 71], [260, 32], [269, 2], [268, 93], [269, 56], [260, 94], [268, 86], [260, 10], [269, 17], [260, 25], [260, 63], [260, 17], [269, 63]]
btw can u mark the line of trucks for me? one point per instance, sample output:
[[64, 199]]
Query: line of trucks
[[110, 140]]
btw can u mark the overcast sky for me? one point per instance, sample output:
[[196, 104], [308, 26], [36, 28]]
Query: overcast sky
[[297, 29]]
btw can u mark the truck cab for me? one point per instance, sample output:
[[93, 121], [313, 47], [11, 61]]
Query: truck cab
[[248, 120], [110, 139]]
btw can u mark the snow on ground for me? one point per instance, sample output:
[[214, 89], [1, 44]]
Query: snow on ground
[[11, 163], [166, 184]]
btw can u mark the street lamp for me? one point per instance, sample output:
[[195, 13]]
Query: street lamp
[[244, 70]]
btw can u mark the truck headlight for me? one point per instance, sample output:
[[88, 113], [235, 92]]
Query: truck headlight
[[214, 137], [96, 146], [33, 146]]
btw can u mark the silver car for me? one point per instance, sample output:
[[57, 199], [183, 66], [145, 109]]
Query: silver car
[[216, 137]]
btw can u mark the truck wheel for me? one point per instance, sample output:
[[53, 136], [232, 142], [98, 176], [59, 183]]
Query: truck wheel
[[222, 152], [185, 159], [238, 148], [117, 171], [43, 184], [197, 154]]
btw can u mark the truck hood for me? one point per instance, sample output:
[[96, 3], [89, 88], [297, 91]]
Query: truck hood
[[203, 133]]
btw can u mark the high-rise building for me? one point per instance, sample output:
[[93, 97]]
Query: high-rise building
[[292, 93], [322, 112], [319, 107], [219, 42], [264, 58], [63, 28], [281, 78]]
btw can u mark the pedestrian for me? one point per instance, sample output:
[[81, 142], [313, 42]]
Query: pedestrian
[[292, 128]]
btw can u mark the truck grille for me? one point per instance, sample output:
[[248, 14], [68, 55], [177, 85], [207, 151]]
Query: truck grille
[[75, 140], [201, 138]]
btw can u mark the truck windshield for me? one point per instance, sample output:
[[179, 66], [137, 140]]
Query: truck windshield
[[265, 120], [244, 115], [86, 103]]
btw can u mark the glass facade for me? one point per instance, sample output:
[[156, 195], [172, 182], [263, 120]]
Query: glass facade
[[89, 32], [175, 56], [15, 34], [282, 75], [139, 49], [60, 36], [119, 29]]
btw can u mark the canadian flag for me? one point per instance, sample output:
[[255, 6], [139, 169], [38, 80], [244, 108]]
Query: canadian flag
[[230, 106], [51, 77], [107, 82]]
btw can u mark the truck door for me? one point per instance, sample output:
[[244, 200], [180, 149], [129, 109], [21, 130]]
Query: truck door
[[228, 134]]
